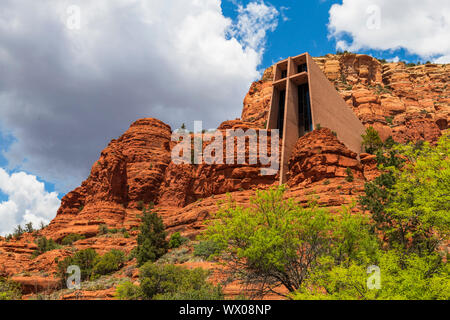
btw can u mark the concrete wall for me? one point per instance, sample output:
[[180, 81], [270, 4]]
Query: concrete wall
[[330, 110]]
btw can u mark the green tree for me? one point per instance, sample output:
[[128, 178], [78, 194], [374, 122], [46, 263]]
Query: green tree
[[44, 245], [176, 240], [152, 243], [84, 259], [371, 140], [9, 290], [277, 243], [128, 291], [402, 277], [206, 249], [169, 282], [71, 238], [18, 232], [109, 262], [29, 227], [410, 202]]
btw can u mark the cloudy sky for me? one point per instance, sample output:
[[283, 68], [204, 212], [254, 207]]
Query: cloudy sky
[[75, 73]]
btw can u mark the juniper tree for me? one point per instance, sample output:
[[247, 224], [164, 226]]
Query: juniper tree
[[152, 243]]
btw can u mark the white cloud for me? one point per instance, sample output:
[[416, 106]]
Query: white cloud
[[65, 93], [420, 26], [254, 21], [27, 201], [394, 59], [443, 59]]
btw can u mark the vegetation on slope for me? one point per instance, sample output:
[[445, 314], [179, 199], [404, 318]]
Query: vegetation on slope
[[316, 255]]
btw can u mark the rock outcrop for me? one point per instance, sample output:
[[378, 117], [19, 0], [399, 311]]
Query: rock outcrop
[[319, 155]]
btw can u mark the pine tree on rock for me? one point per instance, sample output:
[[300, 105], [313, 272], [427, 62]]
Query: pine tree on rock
[[152, 243]]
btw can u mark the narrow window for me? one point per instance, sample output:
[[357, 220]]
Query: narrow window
[[304, 108], [280, 122]]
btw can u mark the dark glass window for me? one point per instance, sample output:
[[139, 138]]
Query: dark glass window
[[302, 68], [304, 106], [280, 122]]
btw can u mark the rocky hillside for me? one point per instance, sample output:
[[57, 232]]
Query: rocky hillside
[[407, 103]]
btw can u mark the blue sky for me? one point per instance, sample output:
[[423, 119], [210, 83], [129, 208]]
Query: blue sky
[[66, 91], [303, 27]]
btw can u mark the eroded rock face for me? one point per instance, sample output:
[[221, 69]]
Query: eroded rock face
[[319, 155], [186, 183], [130, 170], [257, 101]]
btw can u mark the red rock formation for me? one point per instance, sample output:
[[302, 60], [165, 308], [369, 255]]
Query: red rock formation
[[319, 155], [186, 183], [130, 170]]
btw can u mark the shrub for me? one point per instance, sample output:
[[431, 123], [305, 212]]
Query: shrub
[[389, 143], [152, 243], [169, 282], [176, 256], [176, 240], [29, 227], [140, 205], [206, 248], [103, 229], [109, 262], [18, 232], [349, 176], [128, 291], [71, 238], [371, 140], [84, 259], [44, 245], [9, 290], [389, 120]]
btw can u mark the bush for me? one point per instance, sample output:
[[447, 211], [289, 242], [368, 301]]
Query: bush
[[44, 245], [91, 264], [206, 248], [176, 240], [71, 238], [349, 176], [84, 259], [109, 262], [389, 143], [9, 290], [103, 229], [371, 140], [128, 291], [140, 205], [169, 282], [152, 243]]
